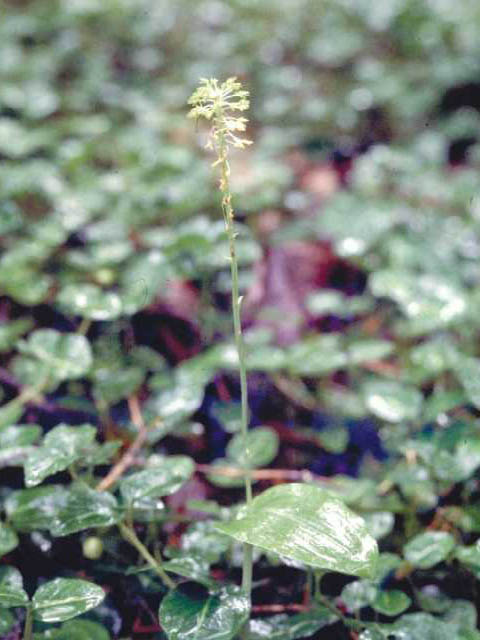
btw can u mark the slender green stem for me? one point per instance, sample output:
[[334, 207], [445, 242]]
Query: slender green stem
[[131, 537], [228, 214], [28, 629]]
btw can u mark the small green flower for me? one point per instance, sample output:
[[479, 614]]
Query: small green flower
[[219, 103]]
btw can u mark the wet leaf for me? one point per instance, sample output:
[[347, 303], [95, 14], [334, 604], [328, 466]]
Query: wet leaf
[[63, 598], [12, 593], [392, 401], [65, 355], [358, 594], [32, 509], [62, 446], [283, 627], [163, 478], [261, 448], [305, 523], [85, 508], [429, 548], [8, 539], [391, 603], [198, 615]]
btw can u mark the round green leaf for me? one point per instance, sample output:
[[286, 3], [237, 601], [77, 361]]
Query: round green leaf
[[32, 509], [260, 449], [6, 621], [429, 548], [284, 627], [12, 593], [391, 603], [197, 615], [63, 598], [358, 594], [62, 446], [90, 301], [66, 355], [162, 479], [84, 508], [8, 539], [392, 401], [306, 524]]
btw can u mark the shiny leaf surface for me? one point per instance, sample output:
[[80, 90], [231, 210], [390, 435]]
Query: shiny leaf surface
[[63, 598], [194, 614], [305, 523]]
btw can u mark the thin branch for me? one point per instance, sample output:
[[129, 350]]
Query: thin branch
[[130, 455], [292, 475], [279, 608]]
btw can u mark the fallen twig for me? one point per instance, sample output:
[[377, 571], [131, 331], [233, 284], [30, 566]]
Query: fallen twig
[[130, 455]]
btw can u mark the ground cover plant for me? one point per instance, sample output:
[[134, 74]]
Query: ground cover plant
[[239, 401]]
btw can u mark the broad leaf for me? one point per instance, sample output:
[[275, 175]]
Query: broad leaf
[[8, 539], [12, 593], [63, 598], [261, 448], [391, 603], [191, 613], [429, 548], [62, 446], [85, 508], [283, 627], [305, 523], [65, 355], [32, 509], [392, 401], [162, 479]]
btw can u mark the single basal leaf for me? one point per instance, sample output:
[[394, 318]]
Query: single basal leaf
[[306, 524], [63, 598]]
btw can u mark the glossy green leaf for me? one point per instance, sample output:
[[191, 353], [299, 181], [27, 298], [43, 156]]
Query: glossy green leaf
[[79, 630], [429, 302], [194, 614], [8, 539], [391, 603], [203, 540], [90, 301], [64, 598], [283, 627], [260, 449], [305, 523], [6, 621], [62, 446], [113, 384], [12, 593], [32, 509], [19, 436], [468, 373], [358, 594], [392, 401], [163, 479], [191, 567], [379, 524], [66, 355], [85, 508], [429, 548]]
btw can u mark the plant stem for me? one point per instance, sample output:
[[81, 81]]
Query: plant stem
[[28, 629], [228, 215], [131, 537]]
